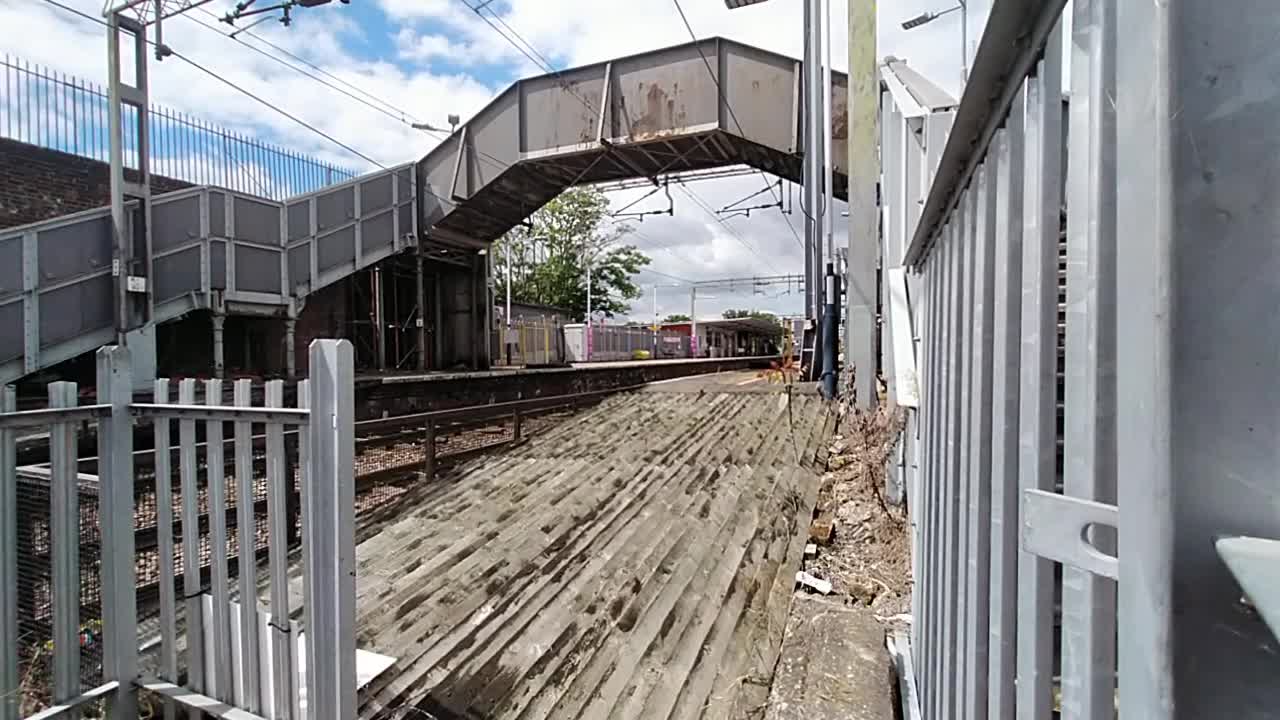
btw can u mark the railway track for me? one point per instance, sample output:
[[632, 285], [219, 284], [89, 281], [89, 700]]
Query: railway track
[[392, 455]]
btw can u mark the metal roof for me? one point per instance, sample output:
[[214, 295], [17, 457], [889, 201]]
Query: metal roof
[[922, 91]]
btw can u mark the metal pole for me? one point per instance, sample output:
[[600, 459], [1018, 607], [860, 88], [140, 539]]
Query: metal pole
[[10, 692], [589, 331], [506, 338], [422, 311], [693, 322], [219, 319], [830, 317], [964, 44], [116, 152], [813, 158], [328, 545], [655, 322], [379, 321], [864, 217], [828, 170]]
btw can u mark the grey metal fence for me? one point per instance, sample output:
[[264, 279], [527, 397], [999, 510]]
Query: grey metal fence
[[529, 342], [1095, 312], [202, 634], [619, 342], [53, 110]]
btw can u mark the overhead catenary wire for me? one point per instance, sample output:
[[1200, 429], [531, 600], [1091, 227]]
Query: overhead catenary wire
[[395, 113], [538, 60], [237, 88], [733, 233], [529, 51], [313, 66], [541, 62], [732, 115]]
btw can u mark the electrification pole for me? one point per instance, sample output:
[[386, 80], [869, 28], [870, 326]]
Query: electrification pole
[[813, 173], [864, 217], [831, 283]]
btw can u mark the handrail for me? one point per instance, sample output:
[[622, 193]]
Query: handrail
[[478, 412], [1000, 67]]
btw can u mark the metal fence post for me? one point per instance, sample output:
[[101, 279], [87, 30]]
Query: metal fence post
[[64, 534], [1038, 370], [1088, 600], [283, 642], [9, 692], [328, 522], [1146, 353], [191, 589], [429, 450], [246, 534], [115, 508], [220, 620]]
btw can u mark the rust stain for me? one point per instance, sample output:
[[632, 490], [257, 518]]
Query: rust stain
[[660, 115]]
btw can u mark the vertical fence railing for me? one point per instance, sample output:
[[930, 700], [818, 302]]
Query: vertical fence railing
[[532, 342], [1026, 605], [53, 110], [197, 638]]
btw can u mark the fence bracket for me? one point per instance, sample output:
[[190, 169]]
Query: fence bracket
[[1054, 527]]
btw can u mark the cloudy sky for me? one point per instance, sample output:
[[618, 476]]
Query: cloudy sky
[[430, 58]]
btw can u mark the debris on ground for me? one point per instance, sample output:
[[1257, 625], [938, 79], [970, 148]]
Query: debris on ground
[[868, 557], [816, 584], [823, 528]]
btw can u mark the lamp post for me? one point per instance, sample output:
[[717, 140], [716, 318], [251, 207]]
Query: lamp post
[[927, 17]]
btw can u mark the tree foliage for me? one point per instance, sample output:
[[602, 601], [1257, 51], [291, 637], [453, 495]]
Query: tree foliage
[[677, 318], [732, 314], [548, 258]]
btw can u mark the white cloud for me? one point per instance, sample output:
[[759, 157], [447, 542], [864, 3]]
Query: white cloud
[[442, 48], [426, 47]]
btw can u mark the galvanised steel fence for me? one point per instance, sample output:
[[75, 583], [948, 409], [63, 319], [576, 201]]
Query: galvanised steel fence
[[53, 110], [199, 656], [528, 342], [1094, 290]]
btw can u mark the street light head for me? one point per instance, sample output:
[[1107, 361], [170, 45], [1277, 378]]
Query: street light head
[[735, 4], [917, 21]]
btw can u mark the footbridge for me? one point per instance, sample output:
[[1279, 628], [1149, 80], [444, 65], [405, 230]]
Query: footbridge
[[699, 105]]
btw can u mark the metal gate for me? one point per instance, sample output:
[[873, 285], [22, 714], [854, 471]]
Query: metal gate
[[1097, 326], [210, 631]]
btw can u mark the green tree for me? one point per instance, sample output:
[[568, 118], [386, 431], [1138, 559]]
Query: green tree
[[549, 256], [732, 314], [677, 318]]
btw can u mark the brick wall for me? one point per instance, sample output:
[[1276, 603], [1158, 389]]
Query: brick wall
[[38, 184]]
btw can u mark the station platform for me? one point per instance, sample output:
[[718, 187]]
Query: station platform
[[384, 395], [517, 371]]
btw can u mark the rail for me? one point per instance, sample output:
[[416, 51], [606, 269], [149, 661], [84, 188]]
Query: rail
[[60, 112], [391, 454]]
